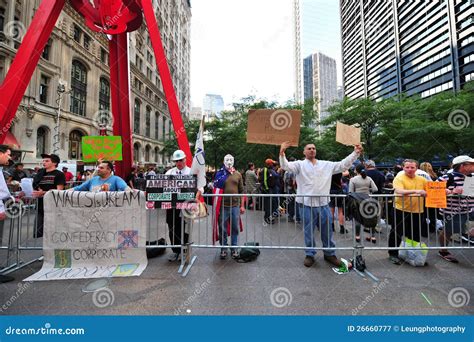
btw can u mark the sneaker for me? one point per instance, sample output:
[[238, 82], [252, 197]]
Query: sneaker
[[395, 260], [174, 257], [5, 278], [448, 257], [291, 220], [223, 255], [332, 259], [468, 239], [309, 261]]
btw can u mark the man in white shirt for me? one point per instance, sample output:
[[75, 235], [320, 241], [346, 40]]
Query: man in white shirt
[[5, 156], [173, 216], [314, 179]]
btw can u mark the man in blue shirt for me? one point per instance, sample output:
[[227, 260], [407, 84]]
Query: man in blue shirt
[[105, 181]]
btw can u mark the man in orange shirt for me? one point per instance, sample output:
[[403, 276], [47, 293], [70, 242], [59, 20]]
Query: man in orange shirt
[[409, 207]]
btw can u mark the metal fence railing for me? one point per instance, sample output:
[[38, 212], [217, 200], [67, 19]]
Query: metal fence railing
[[274, 221]]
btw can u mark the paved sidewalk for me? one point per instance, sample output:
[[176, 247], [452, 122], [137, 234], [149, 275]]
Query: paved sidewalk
[[276, 283]]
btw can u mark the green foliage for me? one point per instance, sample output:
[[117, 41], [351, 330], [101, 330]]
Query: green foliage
[[406, 127]]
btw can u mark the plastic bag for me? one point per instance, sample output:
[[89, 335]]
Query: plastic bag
[[415, 257]]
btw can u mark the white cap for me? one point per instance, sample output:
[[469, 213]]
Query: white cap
[[178, 155], [462, 159]]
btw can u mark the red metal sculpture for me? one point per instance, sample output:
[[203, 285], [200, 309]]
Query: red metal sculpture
[[112, 17]]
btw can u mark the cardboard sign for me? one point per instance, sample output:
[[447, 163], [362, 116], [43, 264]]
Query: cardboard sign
[[436, 195], [274, 126], [101, 147], [93, 235], [347, 135], [168, 192], [468, 187]]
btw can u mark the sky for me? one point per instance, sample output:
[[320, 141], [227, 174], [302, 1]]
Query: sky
[[245, 47]]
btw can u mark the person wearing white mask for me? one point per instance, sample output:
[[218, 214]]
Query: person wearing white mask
[[228, 209]]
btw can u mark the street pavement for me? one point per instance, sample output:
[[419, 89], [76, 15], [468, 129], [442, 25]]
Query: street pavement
[[276, 283]]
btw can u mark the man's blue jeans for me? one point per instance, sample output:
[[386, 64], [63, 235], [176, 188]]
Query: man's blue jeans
[[231, 215], [321, 217]]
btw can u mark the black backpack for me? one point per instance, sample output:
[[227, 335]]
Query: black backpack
[[363, 208], [248, 254], [154, 252]]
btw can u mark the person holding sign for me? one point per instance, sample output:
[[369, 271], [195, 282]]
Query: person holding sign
[[409, 207], [456, 215], [104, 181], [5, 156], [314, 177]]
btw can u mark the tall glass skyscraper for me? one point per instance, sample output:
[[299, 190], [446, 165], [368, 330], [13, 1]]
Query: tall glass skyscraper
[[415, 47]]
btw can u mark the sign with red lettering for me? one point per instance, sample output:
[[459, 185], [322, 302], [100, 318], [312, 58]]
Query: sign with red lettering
[[101, 147]]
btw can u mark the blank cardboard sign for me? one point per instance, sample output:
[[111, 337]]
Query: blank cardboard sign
[[274, 126], [347, 135]]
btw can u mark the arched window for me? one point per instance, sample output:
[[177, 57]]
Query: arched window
[[157, 122], [136, 152], [164, 128], [78, 88], [157, 155], [147, 153], [104, 94], [41, 141], [75, 145], [148, 122], [136, 117]]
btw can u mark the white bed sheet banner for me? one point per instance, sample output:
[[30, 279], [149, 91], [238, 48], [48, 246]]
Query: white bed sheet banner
[[93, 235]]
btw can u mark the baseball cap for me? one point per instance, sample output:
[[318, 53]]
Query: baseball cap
[[178, 155], [462, 159], [270, 161], [54, 158]]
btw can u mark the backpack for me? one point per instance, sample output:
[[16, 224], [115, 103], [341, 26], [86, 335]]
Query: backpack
[[248, 254], [154, 252], [363, 208]]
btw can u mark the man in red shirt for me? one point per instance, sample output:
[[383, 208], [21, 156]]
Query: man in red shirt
[[69, 176]]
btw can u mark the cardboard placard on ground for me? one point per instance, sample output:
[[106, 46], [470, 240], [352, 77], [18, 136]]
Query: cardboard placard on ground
[[101, 147], [436, 195], [93, 235], [347, 135], [274, 126], [468, 187]]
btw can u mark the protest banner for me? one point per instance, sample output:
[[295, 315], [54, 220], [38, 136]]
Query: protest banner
[[93, 235], [101, 147], [347, 135], [274, 126], [171, 191], [436, 195]]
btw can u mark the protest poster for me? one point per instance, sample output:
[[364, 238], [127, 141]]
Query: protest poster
[[171, 191], [93, 235], [274, 126], [101, 147], [468, 187], [347, 135], [436, 195]]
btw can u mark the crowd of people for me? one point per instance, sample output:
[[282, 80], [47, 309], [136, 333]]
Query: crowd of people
[[299, 189]]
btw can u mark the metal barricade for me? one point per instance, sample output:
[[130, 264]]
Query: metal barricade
[[275, 221]]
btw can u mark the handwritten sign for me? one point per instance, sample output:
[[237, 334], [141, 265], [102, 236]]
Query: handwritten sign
[[101, 147], [167, 191], [468, 187], [93, 235], [436, 195], [274, 126], [347, 135]]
